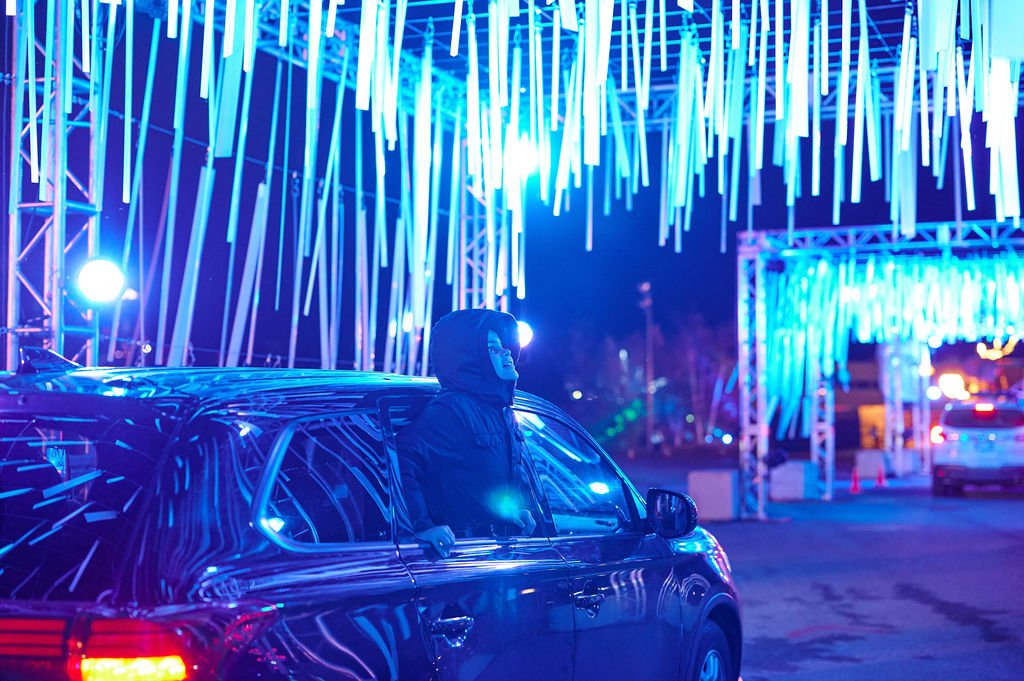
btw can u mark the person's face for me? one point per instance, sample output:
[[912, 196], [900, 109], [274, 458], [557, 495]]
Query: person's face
[[501, 358]]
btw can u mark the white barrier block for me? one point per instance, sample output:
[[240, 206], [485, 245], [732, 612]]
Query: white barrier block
[[716, 492], [793, 480], [868, 461]]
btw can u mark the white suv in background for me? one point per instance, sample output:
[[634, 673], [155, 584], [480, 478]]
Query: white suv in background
[[982, 443]]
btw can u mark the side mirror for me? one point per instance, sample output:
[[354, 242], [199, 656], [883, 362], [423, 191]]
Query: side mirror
[[671, 514]]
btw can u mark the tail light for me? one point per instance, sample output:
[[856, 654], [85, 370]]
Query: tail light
[[984, 407], [129, 650], [937, 436]]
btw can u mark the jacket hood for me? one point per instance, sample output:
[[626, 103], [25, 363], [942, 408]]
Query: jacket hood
[[458, 350]]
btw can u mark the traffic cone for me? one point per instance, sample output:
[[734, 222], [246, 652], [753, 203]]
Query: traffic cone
[[855, 482], [880, 480]]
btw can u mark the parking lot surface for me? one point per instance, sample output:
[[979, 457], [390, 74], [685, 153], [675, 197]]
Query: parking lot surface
[[889, 584]]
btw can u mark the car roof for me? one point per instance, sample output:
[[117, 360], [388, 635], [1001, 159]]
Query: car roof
[[998, 401], [216, 388]]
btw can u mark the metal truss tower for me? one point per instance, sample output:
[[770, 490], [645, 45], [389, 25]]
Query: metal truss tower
[[56, 184], [753, 395]]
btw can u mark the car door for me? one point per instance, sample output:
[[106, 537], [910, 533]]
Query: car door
[[344, 597], [624, 592], [496, 608]]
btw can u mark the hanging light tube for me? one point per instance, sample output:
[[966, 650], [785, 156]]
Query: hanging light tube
[[816, 113], [33, 113], [923, 112], [908, 96], [590, 90], [780, 61], [501, 16], [842, 112], [634, 35], [129, 59], [172, 18], [228, 43], [453, 50], [662, 39], [86, 34], [567, 10], [605, 12], [494, 87], [332, 18], [762, 78], [752, 38], [206, 61], [623, 40], [282, 31], [367, 53], [824, 48], [645, 88], [251, 29], [965, 128], [556, 30]]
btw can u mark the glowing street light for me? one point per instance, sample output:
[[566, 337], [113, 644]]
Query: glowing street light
[[100, 281]]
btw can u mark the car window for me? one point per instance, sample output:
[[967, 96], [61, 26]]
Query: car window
[[330, 483], [71, 490], [583, 490], [998, 417]]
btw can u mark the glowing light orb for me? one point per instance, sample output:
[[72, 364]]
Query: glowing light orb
[[577, 394], [953, 387], [599, 488], [100, 281], [934, 392], [525, 334], [727, 439]]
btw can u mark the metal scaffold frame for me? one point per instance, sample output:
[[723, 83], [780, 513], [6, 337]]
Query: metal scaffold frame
[[756, 253], [753, 396], [55, 196]]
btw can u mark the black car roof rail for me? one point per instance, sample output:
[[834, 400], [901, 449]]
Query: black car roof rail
[[37, 360]]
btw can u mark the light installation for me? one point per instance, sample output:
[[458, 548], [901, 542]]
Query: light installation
[[596, 92]]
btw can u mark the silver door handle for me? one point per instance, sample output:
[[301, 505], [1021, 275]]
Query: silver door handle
[[588, 602], [452, 629]]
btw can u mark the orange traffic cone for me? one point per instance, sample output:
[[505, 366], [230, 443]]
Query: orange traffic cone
[[880, 480], [855, 482]]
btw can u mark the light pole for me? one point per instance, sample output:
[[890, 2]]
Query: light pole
[[647, 306]]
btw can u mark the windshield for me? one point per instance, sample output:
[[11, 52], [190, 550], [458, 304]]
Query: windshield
[[70, 489], [998, 417]]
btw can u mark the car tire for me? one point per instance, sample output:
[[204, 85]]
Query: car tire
[[714, 659], [939, 488]]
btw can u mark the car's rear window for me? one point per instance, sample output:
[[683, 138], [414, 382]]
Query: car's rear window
[[70, 487], [998, 417]]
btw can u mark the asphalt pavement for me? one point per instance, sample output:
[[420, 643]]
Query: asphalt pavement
[[888, 584]]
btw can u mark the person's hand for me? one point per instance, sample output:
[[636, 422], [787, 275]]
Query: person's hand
[[526, 522], [441, 538]]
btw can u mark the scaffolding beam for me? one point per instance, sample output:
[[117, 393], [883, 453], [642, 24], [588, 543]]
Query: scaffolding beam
[[54, 188]]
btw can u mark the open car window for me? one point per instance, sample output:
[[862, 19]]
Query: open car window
[[328, 484], [584, 492]]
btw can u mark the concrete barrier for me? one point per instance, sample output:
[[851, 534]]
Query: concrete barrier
[[867, 462], [716, 492], [793, 480]]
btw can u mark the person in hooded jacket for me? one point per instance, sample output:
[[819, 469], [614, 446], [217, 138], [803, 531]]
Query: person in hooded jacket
[[461, 460]]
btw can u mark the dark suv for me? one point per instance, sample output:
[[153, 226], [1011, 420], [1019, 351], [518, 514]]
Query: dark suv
[[171, 524]]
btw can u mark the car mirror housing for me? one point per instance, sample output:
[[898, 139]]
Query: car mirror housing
[[671, 514]]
